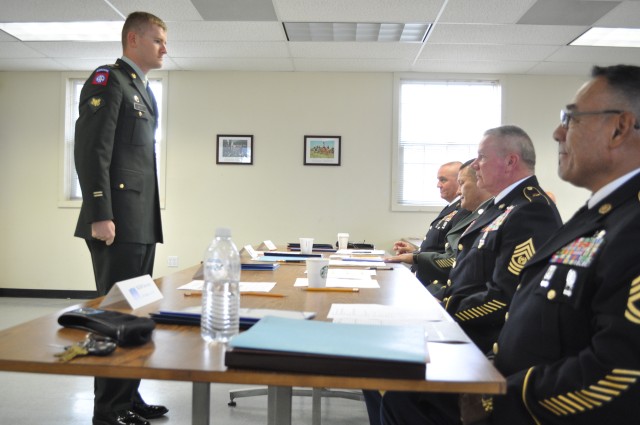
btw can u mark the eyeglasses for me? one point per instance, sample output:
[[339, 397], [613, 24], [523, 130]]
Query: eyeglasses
[[566, 116]]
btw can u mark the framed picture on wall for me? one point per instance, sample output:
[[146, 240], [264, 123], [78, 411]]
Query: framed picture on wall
[[234, 149], [322, 150]]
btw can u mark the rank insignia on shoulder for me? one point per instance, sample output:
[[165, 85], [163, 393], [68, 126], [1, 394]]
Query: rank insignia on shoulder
[[96, 103], [100, 77]]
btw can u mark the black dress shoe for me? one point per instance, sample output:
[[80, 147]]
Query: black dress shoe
[[126, 417], [149, 411]]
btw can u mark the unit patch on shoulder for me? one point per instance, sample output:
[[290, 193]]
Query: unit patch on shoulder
[[581, 252], [521, 254], [100, 77]]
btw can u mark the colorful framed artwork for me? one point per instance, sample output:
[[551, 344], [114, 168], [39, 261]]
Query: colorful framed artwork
[[322, 150]]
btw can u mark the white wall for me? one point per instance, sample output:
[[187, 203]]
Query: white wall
[[277, 198]]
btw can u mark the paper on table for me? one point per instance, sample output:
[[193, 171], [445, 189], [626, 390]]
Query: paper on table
[[196, 285], [355, 263], [351, 274], [382, 314], [360, 251], [342, 283]]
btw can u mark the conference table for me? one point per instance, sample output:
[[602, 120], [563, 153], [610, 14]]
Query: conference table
[[178, 353]]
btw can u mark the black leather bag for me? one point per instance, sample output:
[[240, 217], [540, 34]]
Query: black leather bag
[[125, 329]]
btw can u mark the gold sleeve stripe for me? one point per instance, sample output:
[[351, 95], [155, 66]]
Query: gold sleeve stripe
[[445, 263], [592, 402], [605, 391], [626, 372], [565, 409], [525, 384], [547, 405], [632, 313], [576, 398], [607, 383], [596, 395], [480, 311]]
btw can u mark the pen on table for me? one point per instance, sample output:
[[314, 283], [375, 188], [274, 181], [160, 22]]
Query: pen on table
[[380, 268], [332, 289], [262, 294]]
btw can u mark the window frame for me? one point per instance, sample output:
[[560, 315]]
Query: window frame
[[396, 168], [68, 124]]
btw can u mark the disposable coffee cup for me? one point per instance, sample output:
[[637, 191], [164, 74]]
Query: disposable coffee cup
[[306, 245], [317, 270], [343, 240]]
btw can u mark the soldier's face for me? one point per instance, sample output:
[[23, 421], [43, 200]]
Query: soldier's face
[[582, 152], [490, 166], [151, 47], [447, 182]]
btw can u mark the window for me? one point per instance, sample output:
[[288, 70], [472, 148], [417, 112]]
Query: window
[[435, 122], [71, 196]]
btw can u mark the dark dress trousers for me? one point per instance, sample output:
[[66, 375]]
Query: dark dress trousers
[[116, 164], [571, 347], [491, 255]]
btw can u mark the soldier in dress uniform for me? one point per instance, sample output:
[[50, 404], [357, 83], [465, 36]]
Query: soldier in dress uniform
[[491, 254], [116, 164], [570, 348], [435, 238]]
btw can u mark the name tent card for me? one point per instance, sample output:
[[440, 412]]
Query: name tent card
[[267, 246], [249, 250], [137, 292]]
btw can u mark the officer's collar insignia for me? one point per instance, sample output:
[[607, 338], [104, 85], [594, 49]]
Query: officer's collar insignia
[[604, 209], [133, 75], [501, 206], [581, 252]]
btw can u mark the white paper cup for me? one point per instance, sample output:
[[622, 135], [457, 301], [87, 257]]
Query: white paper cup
[[317, 271], [343, 240], [306, 245]]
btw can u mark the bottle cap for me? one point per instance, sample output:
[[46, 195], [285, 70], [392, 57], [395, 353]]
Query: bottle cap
[[223, 232]]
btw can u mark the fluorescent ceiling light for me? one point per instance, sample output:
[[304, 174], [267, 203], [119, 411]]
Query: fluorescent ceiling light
[[356, 31], [64, 31], [610, 37]]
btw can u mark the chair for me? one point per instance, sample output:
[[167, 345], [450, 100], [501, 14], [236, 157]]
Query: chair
[[316, 395]]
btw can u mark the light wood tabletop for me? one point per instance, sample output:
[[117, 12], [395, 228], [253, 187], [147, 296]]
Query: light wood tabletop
[[178, 352]]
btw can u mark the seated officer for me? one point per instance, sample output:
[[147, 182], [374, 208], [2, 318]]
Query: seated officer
[[571, 347], [431, 265], [491, 254], [435, 238]]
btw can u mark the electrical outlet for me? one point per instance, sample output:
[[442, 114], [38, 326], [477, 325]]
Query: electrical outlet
[[172, 261]]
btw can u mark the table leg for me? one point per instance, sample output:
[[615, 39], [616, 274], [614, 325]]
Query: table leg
[[279, 405], [316, 406], [200, 403]]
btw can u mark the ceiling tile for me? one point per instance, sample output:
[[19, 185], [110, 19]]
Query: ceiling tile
[[485, 12], [352, 65], [237, 64], [604, 55], [236, 10], [78, 49], [474, 67], [463, 53], [57, 11], [17, 50], [566, 12], [357, 10], [624, 16], [561, 68], [504, 34], [40, 64], [181, 49], [168, 11], [225, 31]]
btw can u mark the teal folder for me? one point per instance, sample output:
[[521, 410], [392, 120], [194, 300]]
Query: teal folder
[[290, 345]]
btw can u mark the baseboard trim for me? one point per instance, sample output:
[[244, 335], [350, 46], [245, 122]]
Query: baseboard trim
[[47, 293]]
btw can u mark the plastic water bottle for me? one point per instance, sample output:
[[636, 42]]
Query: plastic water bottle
[[221, 293]]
